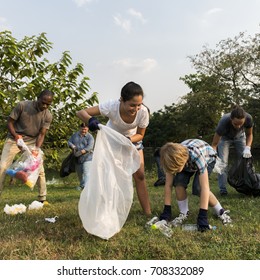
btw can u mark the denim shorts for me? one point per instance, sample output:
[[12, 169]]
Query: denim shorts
[[139, 145], [183, 179]]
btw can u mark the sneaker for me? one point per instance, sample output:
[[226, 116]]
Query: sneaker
[[178, 221], [224, 217], [223, 193], [160, 182], [79, 188]]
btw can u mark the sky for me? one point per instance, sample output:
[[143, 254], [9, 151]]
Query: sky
[[145, 41]]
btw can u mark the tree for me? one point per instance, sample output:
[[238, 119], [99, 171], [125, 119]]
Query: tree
[[25, 71], [235, 63], [226, 75], [204, 105], [166, 125]]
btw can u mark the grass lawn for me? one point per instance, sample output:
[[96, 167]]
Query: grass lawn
[[29, 237]]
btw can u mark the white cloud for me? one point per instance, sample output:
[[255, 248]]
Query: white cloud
[[208, 16], [137, 15], [123, 23], [214, 11], [81, 3], [126, 23], [145, 65]]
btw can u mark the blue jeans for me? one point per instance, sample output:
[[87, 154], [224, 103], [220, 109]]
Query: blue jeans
[[82, 170], [223, 153], [160, 172]]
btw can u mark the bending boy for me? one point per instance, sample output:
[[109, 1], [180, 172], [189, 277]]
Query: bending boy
[[196, 158]]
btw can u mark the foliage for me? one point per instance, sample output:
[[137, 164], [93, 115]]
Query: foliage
[[225, 75], [253, 106], [162, 127], [235, 63], [25, 72]]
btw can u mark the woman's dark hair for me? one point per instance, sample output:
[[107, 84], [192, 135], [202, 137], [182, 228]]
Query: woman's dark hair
[[237, 112], [130, 90]]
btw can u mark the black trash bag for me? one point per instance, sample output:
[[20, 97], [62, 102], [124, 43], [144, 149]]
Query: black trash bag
[[243, 178], [68, 165]]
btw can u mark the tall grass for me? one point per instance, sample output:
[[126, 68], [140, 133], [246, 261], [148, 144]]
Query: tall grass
[[29, 237]]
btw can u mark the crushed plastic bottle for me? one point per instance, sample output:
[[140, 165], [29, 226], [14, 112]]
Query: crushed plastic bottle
[[194, 227], [51, 220], [151, 222], [163, 227]]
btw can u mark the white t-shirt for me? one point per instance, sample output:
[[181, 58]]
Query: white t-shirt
[[110, 109]]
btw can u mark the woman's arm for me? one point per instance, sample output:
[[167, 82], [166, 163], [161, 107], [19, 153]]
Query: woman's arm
[[215, 141], [140, 132], [249, 136], [86, 114]]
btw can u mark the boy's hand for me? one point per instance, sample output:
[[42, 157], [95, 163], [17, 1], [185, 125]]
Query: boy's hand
[[167, 213]]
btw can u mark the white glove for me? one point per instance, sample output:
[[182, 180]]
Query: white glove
[[247, 152], [20, 143]]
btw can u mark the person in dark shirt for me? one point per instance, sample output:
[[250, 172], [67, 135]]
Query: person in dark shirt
[[234, 129]]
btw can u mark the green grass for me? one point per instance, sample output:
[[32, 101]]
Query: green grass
[[29, 237]]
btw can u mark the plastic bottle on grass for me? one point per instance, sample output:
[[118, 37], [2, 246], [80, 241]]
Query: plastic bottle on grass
[[164, 229], [194, 227], [151, 222], [189, 227]]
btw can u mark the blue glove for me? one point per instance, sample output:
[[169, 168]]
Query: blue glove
[[167, 213], [93, 124]]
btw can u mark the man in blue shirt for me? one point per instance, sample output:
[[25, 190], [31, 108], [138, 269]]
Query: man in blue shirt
[[234, 129], [82, 143]]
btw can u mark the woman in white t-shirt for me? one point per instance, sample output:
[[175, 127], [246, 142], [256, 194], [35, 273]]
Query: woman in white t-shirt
[[129, 117]]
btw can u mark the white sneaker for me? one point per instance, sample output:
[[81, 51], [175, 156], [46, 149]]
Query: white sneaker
[[225, 218], [178, 221]]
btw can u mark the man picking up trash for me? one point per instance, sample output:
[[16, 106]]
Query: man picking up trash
[[28, 122]]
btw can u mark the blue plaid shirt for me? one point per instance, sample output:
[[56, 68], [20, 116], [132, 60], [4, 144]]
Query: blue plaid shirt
[[200, 155]]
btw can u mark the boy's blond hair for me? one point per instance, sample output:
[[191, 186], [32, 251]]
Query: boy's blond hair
[[173, 157]]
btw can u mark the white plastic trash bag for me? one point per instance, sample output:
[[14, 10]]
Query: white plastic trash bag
[[35, 205], [15, 209], [106, 200]]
